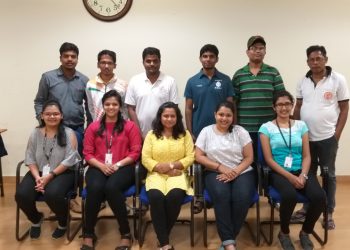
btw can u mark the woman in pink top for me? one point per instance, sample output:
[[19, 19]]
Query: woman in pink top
[[111, 148]]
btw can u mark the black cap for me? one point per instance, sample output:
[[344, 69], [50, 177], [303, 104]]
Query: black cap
[[255, 39]]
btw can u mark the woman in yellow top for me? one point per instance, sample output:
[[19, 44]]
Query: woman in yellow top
[[167, 153]]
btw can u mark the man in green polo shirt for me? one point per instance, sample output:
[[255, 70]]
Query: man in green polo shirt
[[254, 86]]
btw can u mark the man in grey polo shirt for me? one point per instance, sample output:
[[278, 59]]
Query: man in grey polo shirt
[[67, 85]]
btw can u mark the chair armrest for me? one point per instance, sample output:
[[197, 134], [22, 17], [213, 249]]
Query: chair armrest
[[198, 179], [80, 175], [18, 173], [137, 178], [264, 171]]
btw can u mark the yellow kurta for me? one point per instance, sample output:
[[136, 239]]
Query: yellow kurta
[[169, 150]]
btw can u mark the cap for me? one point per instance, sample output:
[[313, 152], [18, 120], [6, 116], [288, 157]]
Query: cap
[[255, 39]]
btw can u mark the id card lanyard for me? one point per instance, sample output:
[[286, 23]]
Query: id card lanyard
[[289, 159], [109, 156], [46, 168]]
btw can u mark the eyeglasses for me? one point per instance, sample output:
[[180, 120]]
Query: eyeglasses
[[51, 114], [254, 48], [286, 105], [106, 63]]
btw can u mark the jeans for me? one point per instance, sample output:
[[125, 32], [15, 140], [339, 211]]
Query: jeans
[[312, 190], [164, 211], [79, 133], [231, 202], [323, 153], [101, 187], [54, 195]]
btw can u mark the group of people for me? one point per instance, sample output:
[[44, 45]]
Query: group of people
[[225, 118]]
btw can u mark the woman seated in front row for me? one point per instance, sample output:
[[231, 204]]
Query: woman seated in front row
[[167, 153], [111, 148], [285, 145], [50, 156], [226, 152]]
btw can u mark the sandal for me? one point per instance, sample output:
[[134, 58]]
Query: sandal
[[298, 216], [87, 247], [198, 206], [126, 237], [330, 224]]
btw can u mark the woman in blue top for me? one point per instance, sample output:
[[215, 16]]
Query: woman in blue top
[[285, 144]]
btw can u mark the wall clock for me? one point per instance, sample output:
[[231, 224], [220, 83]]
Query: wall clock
[[108, 10]]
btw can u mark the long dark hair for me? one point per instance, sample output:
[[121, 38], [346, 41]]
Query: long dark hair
[[230, 106], [61, 133], [158, 127], [119, 125]]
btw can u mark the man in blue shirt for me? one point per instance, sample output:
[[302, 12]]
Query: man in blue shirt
[[205, 90]]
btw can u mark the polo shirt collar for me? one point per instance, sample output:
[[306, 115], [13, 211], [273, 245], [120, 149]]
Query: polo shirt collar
[[201, 73], [160, 77], [328, 72], [247, 68]]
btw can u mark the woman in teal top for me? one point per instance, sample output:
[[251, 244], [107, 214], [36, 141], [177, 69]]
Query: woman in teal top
[[285, 144]]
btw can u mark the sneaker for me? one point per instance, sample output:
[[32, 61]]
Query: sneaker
[[298, 216], [35, 230], [58, 233], [305, 241], [285, 241]]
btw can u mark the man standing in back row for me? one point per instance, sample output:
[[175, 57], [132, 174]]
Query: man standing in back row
[[148, 90], [67, 86], [254, 86], [323, 103]]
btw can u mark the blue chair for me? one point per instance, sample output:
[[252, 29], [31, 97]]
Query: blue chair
[[274, 198], [131, 192], [72, 194], [144, 224], [202, 193]]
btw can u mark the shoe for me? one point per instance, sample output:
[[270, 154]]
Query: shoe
[[58, 233], [87, 247], [305, 241], [126, 237], [35, 231], [285, 241], [198, 206], [298, 216], [330, 224]]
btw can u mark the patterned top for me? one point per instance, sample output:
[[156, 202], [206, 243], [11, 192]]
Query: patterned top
[[167, 150], [35, 154], [254, 95]]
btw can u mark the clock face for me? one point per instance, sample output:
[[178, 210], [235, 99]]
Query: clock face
[[107, 10]]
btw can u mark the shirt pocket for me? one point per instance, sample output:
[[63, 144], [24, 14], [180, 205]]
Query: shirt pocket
[[77, 92]]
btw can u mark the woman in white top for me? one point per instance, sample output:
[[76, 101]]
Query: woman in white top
[[226, 152]]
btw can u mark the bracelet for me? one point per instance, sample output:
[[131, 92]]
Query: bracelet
[[217, 168]]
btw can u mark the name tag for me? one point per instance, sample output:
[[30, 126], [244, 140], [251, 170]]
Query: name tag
[[288, 162], [108, 159], [46, 170]]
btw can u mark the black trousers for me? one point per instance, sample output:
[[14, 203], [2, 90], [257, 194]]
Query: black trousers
[[312, 190], [54, 196], [101, 187], [164, 211]]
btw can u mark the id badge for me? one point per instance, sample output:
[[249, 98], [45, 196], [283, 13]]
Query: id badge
[[108, 159], [288, 162], [46, 170]]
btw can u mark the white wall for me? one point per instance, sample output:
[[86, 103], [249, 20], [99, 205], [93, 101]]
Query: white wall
[[31, 31]]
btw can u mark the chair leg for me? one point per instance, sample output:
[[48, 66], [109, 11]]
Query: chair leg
[[26, 233], [205, 220], [192, 224], [135, 217], [72, 233], [325, 231]]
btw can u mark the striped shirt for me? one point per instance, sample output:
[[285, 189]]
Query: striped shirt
[[253, 94]]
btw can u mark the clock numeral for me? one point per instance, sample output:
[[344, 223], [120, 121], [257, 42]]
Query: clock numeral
[[95, 3], [120, 1], [108, 9], [116, 6], [101, 7]]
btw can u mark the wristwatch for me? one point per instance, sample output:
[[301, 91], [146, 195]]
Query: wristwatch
[[118, 164], [305, 176], [172, 165]]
